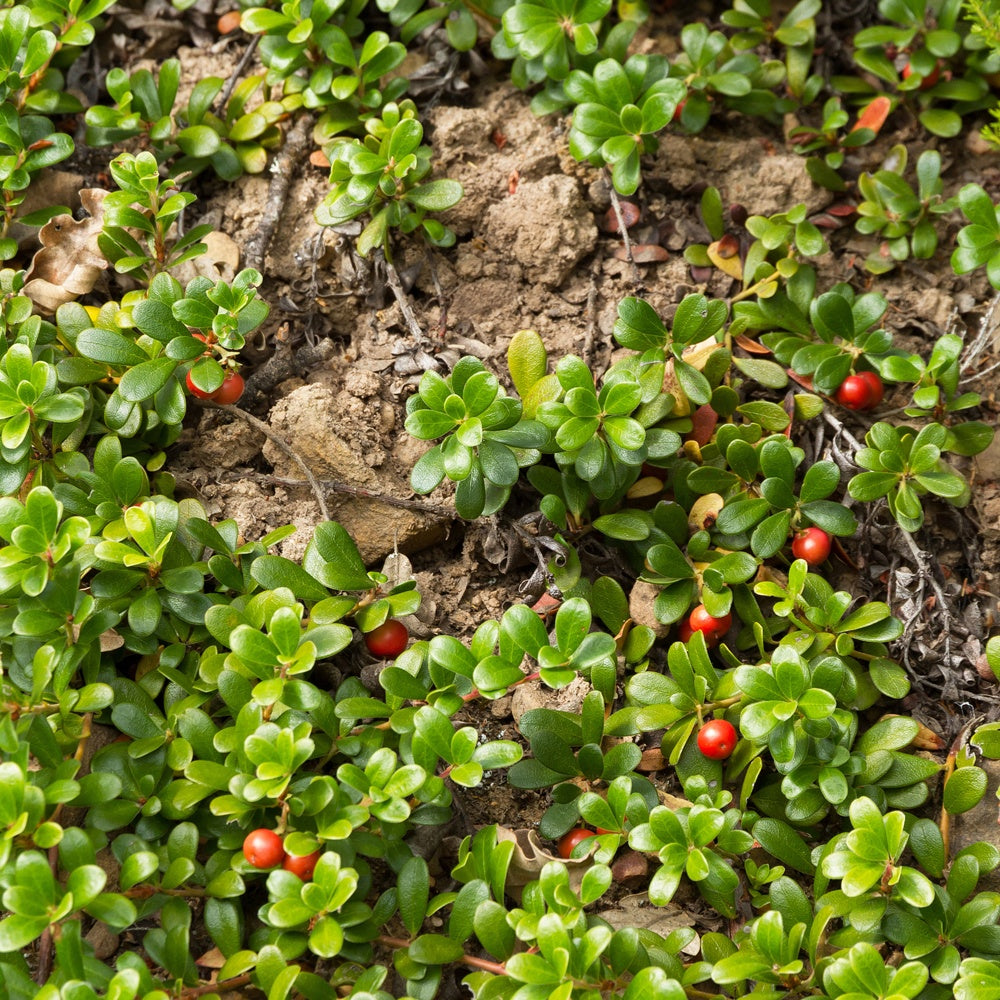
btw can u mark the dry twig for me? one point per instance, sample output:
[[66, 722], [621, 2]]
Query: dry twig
[[282, 171], [278, 440]]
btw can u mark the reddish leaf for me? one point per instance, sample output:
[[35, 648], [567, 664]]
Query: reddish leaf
[[751, 346], [644, 253], [630, 216], [874, 115], [703, 422]]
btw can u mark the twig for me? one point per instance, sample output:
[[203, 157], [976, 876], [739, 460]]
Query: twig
[[623, 230], [225, 985], [264, 429], [403, 300], [219, 104], [944, 821], [987, 331], [590, 313], [334, 486], [282, 171]]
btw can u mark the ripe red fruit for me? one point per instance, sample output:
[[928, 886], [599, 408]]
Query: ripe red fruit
[[569, 840], [712, 628], [389, 639], [194, 390], [684, 631], [230, 390], [302, 865], [263, 848], [874, 383], [813, 545], [679, 110], [717, 739], [929, 80], [855, 393]]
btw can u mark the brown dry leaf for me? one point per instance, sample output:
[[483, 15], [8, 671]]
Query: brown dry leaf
[[644, 253], [218, 263], [630, 216], [751, 346], [637, 911], [926, 738], [70, 262], [212, 959], [530, 857]]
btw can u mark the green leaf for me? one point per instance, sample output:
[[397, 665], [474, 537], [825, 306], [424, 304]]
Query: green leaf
[[964, 789], [413, 892], [435, 949]]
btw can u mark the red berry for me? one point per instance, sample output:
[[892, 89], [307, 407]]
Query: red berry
[[929, 80], [717, 739], [679, 110], [302, 865], [569, 840], [389, 639], [230, 390], [684, 631], [874, 383], [813, 545], [712, 628], [263, 848], [194, 390], [855, 393]]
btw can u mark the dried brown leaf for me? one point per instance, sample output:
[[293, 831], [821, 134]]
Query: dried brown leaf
[[70, 261]]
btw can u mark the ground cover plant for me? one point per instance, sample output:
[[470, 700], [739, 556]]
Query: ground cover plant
[[721, 712]]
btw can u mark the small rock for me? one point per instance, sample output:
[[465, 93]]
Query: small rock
[[532, 694], [630, 867], [103, 940], [640, 608]]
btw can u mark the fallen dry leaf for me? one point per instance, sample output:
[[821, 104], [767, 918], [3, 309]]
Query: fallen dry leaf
[[531, 856], [70, 262], [644, 253], [218, 263]]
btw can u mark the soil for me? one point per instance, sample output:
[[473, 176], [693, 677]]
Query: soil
[[332, 367]]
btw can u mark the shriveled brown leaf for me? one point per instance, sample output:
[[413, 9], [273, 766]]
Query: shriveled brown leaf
[[636, 911], [212, 959], [644, 253], [70, 262], [630, 216], [751, 346], [926, 738], [218, 263], [531, 856]]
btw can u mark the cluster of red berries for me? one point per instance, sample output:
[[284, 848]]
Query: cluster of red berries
[[701, 621], [229, 392], [232, 384], [265, 849], [863, 391]]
